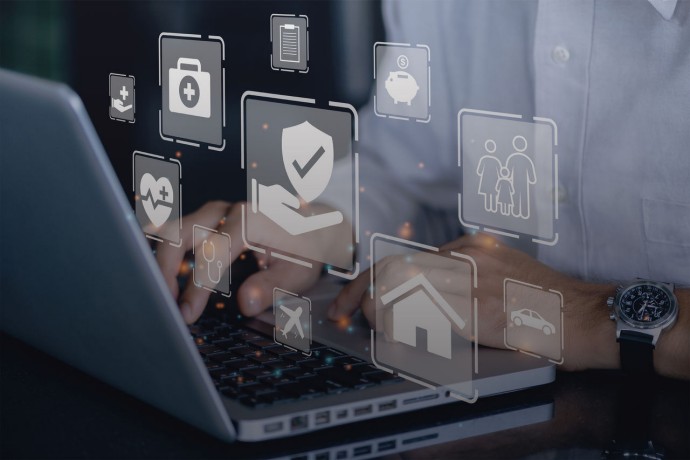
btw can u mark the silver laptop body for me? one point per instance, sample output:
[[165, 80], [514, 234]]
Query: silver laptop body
[[78, 281]]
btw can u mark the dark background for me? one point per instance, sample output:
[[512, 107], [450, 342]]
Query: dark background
[[48, 409], [81, 43]]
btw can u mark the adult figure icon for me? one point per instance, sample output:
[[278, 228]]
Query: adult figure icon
[[523, 177], [489, 171]]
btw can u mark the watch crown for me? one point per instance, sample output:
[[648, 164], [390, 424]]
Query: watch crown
[[609, 302], [612, 317]]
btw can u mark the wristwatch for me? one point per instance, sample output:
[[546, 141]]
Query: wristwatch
[[641, 310]]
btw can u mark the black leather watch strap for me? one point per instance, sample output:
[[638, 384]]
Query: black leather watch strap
[[636, 352]]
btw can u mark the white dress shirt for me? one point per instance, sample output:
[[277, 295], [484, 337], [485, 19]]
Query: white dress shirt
[[615, 77]]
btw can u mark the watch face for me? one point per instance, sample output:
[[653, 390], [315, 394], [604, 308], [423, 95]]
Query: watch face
[[646, 304]]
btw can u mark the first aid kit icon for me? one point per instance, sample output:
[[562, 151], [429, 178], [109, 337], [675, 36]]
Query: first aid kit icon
[[189, 89]]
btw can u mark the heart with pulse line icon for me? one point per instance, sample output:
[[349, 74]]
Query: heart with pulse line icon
[[157, 198]]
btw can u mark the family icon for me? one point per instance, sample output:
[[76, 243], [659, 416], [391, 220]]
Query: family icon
[[506, 188]]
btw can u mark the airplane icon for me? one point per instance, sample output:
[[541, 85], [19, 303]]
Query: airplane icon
[[293, 321]]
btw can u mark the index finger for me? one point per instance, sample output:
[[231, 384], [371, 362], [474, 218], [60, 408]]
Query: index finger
[[170, 257]]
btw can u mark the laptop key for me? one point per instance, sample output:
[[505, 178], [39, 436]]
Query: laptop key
[[296, 372], [341, 376], [229, 391], [323, 385], [273, 380], [220, 357], [224, 343], [382, 377], [222, 331], [300, 390], [257, 373], [261, 343], [206, 350], [311, 364], [239, 364], [278, 365], [348, 360], [242, 351], [257, 389], [279, 351], [262, 357], [237, 381], [220, 373], [332, 352], [293, 357]]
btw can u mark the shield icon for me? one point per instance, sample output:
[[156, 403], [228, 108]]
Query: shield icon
[[308, 158]]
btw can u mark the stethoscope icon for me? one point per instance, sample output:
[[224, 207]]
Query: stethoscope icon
[[209, 261]]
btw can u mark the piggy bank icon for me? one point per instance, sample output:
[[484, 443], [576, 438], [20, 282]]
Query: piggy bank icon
[[401, 86]]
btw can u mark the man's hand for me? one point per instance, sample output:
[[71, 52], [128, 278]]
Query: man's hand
[[588, 333], [256, 293]]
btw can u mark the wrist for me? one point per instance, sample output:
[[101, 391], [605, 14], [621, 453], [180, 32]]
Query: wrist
[[671, 354], [592, 343]]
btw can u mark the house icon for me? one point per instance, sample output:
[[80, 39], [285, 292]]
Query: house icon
[[426, 309]]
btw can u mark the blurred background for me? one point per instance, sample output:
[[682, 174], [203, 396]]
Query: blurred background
[[81, 42]]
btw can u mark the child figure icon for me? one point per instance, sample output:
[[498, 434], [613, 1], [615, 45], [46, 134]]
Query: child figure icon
[[506, 188]]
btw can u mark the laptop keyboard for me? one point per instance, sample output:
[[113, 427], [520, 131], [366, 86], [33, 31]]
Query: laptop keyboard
[[254, 370]]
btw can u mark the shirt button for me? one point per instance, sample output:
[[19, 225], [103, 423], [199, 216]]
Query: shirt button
[[560, 54]]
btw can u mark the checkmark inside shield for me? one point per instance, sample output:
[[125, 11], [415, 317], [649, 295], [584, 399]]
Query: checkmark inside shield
[[304, 170]]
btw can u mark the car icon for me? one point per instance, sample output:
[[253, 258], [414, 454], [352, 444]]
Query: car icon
[[531, 318]]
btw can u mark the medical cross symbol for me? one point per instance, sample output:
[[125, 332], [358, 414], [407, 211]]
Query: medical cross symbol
[[164, 193], [124, 93], [189, 91]]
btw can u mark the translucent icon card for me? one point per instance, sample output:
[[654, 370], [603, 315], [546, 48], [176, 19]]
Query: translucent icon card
[[534, 320], [290, 43], [291, 148], [292, 315], [158, 196], [402, 76], [426, 315], [212, 258], [122, 100], [192, 80], [509, 174]]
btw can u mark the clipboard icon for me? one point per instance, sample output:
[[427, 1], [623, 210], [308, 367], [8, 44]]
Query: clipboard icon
[[290, 46], [290, 43]]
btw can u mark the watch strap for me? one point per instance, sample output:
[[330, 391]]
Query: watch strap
[[636, 352]]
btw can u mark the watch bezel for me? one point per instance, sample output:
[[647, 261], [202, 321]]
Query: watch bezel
[[665, 321]]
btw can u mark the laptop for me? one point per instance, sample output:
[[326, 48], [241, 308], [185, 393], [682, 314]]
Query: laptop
[[79, 281]]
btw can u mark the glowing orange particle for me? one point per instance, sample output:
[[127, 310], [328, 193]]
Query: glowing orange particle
[[178, 154], [405, 231], [184, 268], [220, 305]]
